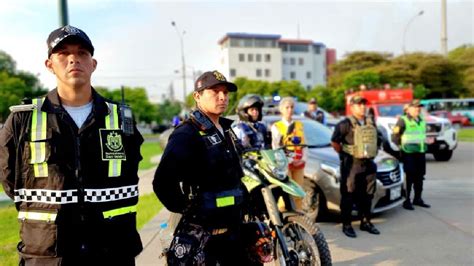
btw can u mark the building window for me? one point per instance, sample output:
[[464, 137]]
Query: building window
[[250, 57], [308, 75], [259, 72], [299, 48], [234, 43], [308, 87], [233, 73], [268, 57], [292, 75], [267, 73], [317, 49], [241, 57], [258, 57], [292, 61], [300, 61], [248, 42], [284, 61]]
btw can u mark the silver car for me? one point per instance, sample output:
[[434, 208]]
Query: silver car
[[322, 167]]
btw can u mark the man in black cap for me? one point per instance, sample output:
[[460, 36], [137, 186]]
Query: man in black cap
[[71, 168], [410, 135], [314, 112], [356, 140], [199, 176]]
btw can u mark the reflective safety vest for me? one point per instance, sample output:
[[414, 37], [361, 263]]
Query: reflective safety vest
[[365, 140], [111, 122], [38, 139], [296, 136], [414, 136]]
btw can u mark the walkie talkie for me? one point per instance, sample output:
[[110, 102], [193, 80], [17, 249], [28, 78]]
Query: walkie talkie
[[126, 115]]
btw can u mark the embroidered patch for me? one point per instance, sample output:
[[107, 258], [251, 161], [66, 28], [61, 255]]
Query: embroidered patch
[[214, 139], [111, 144]]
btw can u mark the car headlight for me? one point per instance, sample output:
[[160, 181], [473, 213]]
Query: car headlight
[[332, 170], [387, 164]]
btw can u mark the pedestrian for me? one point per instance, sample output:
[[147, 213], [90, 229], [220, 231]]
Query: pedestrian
[[409, 134], [249, 129], [356, 140], [199, 176], [71, 167], [314, 112], [288, 133]]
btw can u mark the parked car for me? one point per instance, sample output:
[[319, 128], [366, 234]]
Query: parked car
[[322, 167], [457, 120]]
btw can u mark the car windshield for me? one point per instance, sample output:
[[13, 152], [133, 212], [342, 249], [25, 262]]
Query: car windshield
[[316, 134], [390, 110]]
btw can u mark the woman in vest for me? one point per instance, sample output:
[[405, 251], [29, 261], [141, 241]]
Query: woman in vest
[[290, 132]]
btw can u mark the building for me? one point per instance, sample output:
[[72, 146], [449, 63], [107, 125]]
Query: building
[[270, 58], [255, 56]]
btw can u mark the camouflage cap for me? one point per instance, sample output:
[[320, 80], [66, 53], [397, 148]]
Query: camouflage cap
[[357, 99], [415, 103]]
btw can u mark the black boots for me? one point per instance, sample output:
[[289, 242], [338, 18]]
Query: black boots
[[348, 230], [407, 205], [421, 203], [369, 227]]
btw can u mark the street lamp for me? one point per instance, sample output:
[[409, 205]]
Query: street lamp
[[406, 28], [180, 35]]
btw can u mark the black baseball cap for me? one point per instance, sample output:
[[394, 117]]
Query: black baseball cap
[[357, 99], [70, 33], [212, 78]]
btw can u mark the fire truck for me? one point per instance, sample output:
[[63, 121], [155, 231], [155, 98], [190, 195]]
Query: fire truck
[[387, 107]]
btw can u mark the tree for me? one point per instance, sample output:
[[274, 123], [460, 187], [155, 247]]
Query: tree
[[7, 64], [464, 56]]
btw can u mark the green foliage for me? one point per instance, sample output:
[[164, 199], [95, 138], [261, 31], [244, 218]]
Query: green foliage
[[148, 150], [466, 134], [464, 57], [10, 235], [420, 92], [15, 85], [148, 206], [355, 78], [167, 110]]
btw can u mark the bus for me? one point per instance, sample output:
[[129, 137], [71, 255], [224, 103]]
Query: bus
[[455, 106]]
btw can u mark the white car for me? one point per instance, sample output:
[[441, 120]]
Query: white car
[[441, 137]]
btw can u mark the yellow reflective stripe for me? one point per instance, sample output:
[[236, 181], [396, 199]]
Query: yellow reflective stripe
[[111, 122], [40, 169], [225, 201], [38, 152], [40, 216], [202, 133], [120, 211]]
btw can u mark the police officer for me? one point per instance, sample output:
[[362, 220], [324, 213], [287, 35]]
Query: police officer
[[289, 132], [251, 132], [314, 112], [410, 135], [200, 176], [358, 169], [70, 168]]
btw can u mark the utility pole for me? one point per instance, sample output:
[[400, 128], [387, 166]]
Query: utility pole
[[444, 29], [63, 17]]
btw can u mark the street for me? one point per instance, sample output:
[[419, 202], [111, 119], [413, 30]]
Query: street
[[441, 235]]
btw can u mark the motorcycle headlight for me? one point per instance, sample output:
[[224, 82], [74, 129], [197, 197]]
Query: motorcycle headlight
[[280, 173], [332, 170]]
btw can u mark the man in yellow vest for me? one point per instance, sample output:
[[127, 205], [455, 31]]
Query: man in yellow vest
[[290, 132], [69, 160], [410, 135]]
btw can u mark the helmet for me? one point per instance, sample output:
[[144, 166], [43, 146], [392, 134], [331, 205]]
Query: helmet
[[249, 100]]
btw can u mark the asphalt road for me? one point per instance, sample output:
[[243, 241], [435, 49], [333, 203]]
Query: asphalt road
[[441, 235]]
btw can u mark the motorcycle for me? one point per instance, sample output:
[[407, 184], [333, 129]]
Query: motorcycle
[[297, 240]]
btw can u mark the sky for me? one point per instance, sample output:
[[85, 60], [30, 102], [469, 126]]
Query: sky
[[136, 45]]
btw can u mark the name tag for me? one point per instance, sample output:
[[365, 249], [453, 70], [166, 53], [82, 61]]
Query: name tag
[[111, 145]]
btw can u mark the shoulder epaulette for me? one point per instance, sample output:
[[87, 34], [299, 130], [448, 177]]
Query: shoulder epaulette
[[22, 107]]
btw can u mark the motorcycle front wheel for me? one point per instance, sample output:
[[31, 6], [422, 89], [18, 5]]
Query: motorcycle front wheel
[[304, 239]]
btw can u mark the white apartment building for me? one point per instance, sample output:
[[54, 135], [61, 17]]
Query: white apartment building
[[268, 57], [255, 56]]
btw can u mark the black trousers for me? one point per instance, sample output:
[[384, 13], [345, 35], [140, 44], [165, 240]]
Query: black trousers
[[359, 197], [414, 165], [79, 261]]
